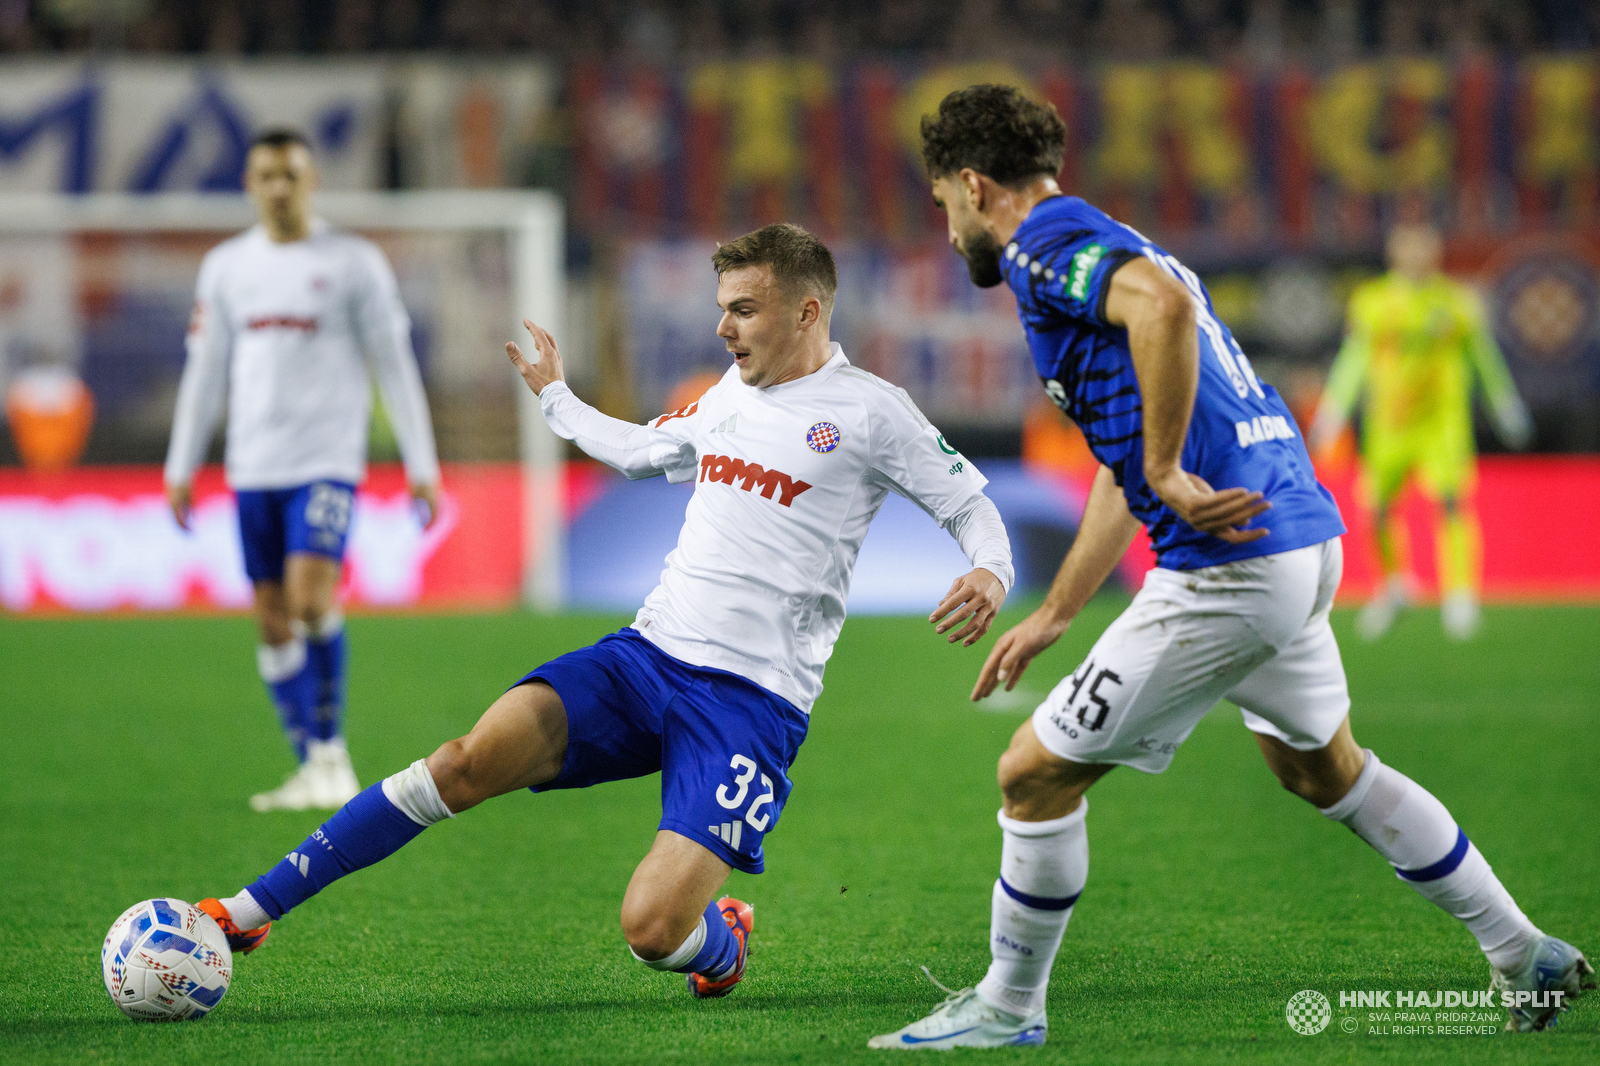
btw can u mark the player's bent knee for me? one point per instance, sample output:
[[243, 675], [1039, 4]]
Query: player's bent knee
[[1322, 783], [1029, 781], [649, 932], [455, 775]]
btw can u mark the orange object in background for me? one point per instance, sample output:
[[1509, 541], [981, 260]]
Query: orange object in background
[[691, 389], [1051, 440], [51, 412]]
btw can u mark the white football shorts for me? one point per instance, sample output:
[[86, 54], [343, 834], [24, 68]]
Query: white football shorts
[[1254, 632]]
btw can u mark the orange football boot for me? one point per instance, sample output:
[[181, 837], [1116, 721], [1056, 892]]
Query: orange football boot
[[741, 918], [241, 941]]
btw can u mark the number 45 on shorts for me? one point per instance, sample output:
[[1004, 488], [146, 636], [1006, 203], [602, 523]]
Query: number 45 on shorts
[[1091, 713]]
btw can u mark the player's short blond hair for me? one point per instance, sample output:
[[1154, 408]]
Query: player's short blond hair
[[799, 261]]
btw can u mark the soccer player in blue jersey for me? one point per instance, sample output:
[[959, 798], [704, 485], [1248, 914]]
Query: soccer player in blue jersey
[[1194, 447]]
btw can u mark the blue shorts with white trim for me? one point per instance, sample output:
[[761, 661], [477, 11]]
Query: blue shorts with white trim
[[723, 744], [275, 523]]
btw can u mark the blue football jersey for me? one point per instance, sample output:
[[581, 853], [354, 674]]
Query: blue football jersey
[[1241, 434]]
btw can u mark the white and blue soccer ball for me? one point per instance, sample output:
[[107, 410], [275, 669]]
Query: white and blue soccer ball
[[166, 961]]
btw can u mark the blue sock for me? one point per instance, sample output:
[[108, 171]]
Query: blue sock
[[720, 953], [325, 660], [286, 671], [366, 829]]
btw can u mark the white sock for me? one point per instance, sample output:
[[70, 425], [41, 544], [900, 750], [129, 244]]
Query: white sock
[[1406, 825], [686, 950], [280, 662], [413, 790], [245, 911], [1043, 868], [324, 628]]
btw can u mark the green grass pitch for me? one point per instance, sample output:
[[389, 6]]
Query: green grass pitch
[[131, 744]]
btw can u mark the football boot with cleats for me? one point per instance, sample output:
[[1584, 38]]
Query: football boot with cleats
[[740, 917], [240, 941], [1550, 966]]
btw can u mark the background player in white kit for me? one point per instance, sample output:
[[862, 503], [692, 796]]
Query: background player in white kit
[[1126, 342], [792, 453], [291, 318]]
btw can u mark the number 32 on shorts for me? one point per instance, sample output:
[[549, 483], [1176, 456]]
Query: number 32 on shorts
[[745, 772]]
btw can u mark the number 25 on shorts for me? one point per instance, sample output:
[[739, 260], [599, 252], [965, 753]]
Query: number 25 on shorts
[[745, 771]]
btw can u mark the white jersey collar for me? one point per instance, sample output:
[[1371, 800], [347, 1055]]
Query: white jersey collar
[[816, 377], [318, 227]]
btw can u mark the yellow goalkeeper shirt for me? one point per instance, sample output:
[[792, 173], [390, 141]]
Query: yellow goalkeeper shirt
[[1413, 349]]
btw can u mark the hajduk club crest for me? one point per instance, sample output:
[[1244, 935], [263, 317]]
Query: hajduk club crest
[[823, 437]]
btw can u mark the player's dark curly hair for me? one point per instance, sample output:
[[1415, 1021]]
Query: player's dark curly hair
[[995, 130], [280, 137], [799, 262]]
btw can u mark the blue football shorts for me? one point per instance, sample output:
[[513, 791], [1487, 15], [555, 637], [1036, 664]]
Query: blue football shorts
[[723, 744], [273, 523]]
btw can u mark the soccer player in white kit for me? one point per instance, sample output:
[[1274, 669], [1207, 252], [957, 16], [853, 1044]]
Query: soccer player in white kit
[[791, 454], [291, 319], [1197, 449]]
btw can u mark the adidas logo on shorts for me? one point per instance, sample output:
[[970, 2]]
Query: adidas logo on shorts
[[729, 832]]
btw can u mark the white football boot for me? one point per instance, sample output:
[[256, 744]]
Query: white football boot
[[1550, 966], [1380, 612], [965, 1020], [331, 778], [1459, 614], [293, 795]]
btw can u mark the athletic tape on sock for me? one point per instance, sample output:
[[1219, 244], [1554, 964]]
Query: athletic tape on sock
[[1353, 799], [1044, 865], [1402, 821], [281, 661], [329, 625], [680, 958], [245, 911], [414, 791]]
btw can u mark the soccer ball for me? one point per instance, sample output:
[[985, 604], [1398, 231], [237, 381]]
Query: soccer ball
[[165, 961]]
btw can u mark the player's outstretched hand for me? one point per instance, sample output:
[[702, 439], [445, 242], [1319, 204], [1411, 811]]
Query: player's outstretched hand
[[546, 366], [973, 599], [425, 498], [1016, 649], [181, 499], [1222, 514]]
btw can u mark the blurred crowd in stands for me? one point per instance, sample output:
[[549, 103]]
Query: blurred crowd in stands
[[1255, 31]]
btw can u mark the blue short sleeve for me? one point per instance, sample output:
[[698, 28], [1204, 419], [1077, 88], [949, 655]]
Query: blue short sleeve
[[1063, 272]]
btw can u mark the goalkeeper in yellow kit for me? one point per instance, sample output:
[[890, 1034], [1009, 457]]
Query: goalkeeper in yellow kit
[[1414, 343]]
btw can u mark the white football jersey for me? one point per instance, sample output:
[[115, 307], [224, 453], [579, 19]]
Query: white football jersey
[[787, 479], [290, 333]]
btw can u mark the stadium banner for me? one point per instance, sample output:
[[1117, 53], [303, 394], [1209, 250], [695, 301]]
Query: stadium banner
[[474, 124], [908, 313], [102, 539], [1230, 156], [1528, 507], [175, 125], [157, 125]]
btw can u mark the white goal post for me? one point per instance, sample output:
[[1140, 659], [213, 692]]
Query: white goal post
[[532, 224]]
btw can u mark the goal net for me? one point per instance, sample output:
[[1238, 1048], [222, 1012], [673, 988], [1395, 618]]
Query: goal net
[[103, 285]]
